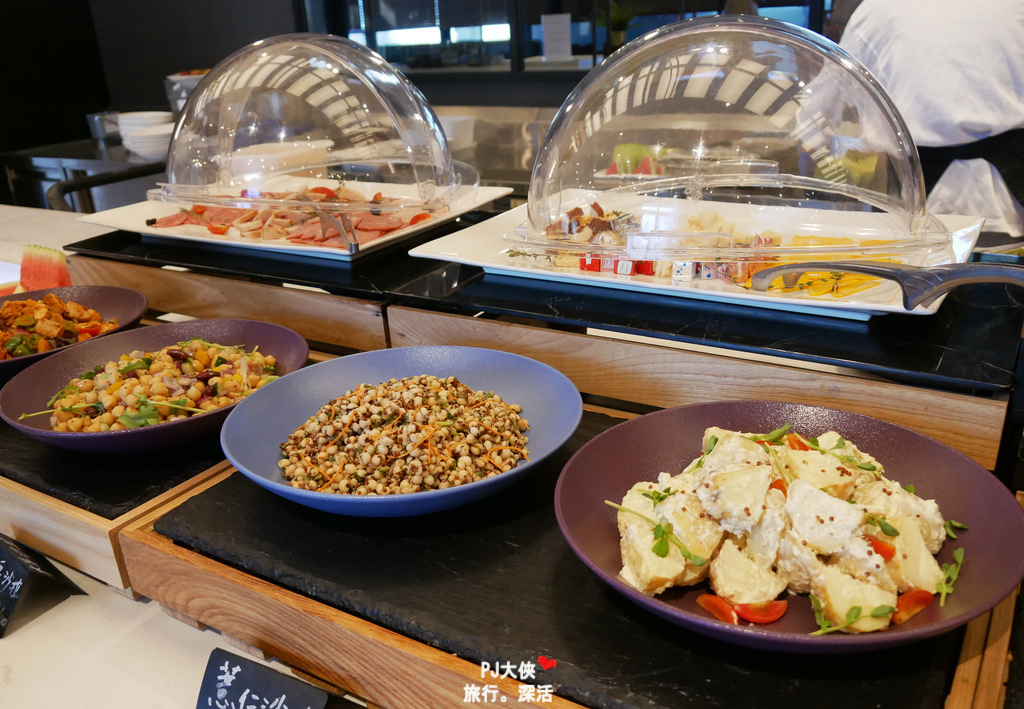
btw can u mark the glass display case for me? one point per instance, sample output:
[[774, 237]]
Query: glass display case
[[311, 133], [730, 144]]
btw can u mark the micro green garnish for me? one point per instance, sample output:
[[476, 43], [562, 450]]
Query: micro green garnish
[[950, 574], [141, 363], [179, 405], [661, 496], [712, 442], [952, 524], [69, 389], [146, 416], [663, 535], [269, 368], [854, 614], [699, 463], [782, 467], [848, 459], [883, 525], [91, 374], [913, 491], [208, 345], [74, 407], [773, 437]]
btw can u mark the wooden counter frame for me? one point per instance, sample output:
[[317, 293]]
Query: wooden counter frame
[[336, 649], [378, 665], [76, 537], [321, 317], [664, 376]]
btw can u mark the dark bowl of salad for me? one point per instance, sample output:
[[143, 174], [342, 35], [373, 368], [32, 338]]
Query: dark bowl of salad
[[73, 315], [149, 388]]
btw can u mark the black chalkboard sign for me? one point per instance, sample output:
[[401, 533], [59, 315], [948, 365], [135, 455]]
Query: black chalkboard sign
[[19, 565], [234, 682]]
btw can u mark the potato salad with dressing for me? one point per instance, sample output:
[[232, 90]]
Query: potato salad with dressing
[[759, 515]]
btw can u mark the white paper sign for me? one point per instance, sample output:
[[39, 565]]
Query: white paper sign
[[557, 34]]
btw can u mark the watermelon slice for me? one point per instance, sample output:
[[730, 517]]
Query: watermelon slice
[[646, 167], [10, 288], [42, 267]]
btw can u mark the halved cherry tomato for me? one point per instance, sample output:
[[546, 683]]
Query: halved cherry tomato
[[93, 329], [911, 603], [198, 208], [780, 485], [377, 197], [325, 191], [884, 549], [718, 607], [796, 442], [217, 228], [417, 218], [764, 612]]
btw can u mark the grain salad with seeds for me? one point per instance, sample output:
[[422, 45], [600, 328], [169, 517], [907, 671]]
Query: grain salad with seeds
[[405, 435]]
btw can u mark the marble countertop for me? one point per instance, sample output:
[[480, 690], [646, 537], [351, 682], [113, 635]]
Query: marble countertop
[[22, 226]]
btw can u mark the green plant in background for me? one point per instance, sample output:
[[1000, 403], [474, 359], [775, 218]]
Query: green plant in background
[[619, 15]]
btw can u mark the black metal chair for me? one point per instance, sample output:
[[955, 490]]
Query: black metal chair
[[58, 191]]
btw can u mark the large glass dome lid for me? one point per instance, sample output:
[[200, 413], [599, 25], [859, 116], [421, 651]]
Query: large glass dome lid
[[311, 121], [730, 132]]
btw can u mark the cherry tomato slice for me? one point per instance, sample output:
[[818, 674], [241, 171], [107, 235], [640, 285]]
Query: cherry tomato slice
[[93, 329], [884, 549], [198, 208], [417, 218], [718, 607], [217, 228], [780, 485], [911, 603], [796, 442], [765, 612], [325, 191], [377, 197]]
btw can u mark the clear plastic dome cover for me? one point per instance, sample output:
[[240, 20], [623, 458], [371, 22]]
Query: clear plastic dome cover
[[726, 138], [316, 123]]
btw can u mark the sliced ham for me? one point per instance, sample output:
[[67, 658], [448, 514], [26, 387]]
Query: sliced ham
[[227, 215], [372, 222], [173, 220]]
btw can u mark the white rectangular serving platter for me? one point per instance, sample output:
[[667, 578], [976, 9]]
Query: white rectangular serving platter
[[484, 245], [133, 218]]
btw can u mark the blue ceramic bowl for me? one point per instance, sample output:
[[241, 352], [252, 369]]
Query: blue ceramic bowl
[[256, 428]]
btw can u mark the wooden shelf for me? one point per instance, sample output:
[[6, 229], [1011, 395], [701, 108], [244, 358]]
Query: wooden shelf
[[80, 539]]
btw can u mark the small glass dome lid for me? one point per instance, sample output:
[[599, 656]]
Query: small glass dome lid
[[711, 138], [311, 121]]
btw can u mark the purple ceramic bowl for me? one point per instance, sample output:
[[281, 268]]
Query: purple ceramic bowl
[[29, 390], [125, 304], [607, 466]]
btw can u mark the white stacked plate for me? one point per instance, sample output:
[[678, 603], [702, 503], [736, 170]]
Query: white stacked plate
[[151, 141], [146, 132]]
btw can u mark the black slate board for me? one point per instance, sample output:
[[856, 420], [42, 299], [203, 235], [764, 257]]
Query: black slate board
[[105, 485], [497, 582]]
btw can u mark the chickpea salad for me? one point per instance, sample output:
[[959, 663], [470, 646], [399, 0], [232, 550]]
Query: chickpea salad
[[403, 436], [148, 388]]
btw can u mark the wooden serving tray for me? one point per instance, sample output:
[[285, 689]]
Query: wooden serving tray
[[305, 587]]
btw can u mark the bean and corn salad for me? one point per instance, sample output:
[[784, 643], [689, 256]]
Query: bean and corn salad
[[405, 435], [147, 388]]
